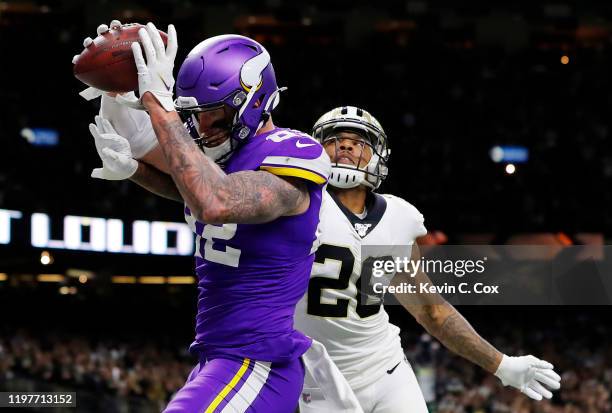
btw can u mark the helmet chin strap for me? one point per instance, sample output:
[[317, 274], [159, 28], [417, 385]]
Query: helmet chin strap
[[350, 176], [218, 152], [272, 103], [346, 178]]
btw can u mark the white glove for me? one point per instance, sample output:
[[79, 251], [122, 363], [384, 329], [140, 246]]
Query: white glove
[[134, 125], [529, 375], [154, 75], [114, 150], [91, 92]]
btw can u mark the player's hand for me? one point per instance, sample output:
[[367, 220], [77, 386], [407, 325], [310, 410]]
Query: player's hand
[[114, 150], [134, 125], [103, 28], [91, 92], [530, 375], [155, 74]]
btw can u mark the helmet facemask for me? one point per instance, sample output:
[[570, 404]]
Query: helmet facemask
[[190, 115], [344, 175]]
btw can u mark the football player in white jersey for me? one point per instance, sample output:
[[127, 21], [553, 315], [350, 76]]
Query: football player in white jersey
[[357, 333]]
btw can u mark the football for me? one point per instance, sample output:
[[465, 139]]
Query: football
[[108, 64]]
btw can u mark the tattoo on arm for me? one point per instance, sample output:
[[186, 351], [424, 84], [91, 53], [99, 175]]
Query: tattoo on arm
[[215, 197], [258, 196], [459, 336], [155, 181], [444, 322]]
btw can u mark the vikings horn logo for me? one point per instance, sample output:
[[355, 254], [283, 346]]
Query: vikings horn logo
[[251, 78], [250, 73]]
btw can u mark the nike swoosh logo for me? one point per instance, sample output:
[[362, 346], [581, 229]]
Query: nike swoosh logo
[[393, 369], [304, 145], [164, 82]]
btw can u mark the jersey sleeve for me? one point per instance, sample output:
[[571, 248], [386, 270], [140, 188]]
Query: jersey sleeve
[[418, 224], [413, 220], [298, 156]]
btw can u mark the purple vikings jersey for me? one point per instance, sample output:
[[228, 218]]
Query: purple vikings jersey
[[250, 276]]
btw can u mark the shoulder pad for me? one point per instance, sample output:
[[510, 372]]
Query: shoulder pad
[[293, 153], [414, 219]]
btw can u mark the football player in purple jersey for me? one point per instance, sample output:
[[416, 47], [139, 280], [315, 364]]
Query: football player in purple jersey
[[254, 211]]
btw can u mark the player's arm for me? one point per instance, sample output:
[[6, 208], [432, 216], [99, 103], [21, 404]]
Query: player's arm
[[118, 162], [135, 126], [212, 195], [443, 321], [156, 181]]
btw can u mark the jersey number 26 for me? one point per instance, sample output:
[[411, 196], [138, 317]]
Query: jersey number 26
[[340, 308]]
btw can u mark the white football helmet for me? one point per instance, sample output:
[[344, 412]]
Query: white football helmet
[[353, 119]]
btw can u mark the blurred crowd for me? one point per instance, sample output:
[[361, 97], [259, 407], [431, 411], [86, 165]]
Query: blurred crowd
[[579, 347], [123, 369], [584, 390]]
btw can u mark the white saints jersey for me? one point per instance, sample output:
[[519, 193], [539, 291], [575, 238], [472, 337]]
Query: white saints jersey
[[356, 332]]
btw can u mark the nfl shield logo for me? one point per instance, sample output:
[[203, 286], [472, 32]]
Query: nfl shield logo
[[306, 397], [362, 229]]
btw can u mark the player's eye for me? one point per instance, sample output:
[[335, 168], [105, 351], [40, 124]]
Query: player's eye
[[220, 124], [330, 140]]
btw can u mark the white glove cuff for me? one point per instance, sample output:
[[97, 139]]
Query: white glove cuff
[[165, 100], [144, 142], [90, 93], [133, 167], [134, 125], [502, 370]]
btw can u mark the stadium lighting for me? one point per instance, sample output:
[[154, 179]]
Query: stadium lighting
[[497, 154], [564, 60], [46, 258], [50, 278], [152, 280], [123, 279], [64, 290], [510, 169], [509, 154], [181, 280], [40, 136]]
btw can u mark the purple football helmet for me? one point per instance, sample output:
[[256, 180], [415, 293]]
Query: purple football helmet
[[228, 70]]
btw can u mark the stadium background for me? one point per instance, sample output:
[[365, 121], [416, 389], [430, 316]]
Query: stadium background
[[448, 81]]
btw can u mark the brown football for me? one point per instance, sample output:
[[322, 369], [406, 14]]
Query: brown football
[[108, 63]]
